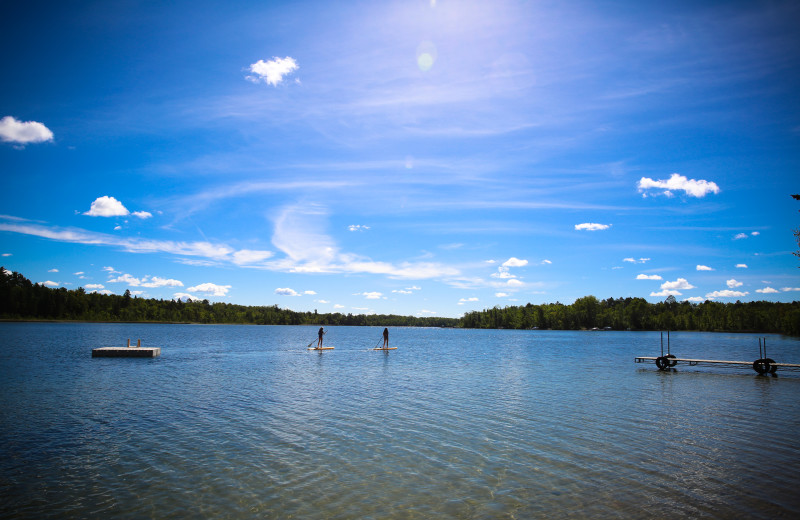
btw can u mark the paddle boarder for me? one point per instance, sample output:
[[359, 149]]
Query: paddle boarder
[[319, 341], [385, 338]]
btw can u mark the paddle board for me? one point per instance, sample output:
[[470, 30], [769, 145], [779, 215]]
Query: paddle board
[[387, 348], [320, 348]]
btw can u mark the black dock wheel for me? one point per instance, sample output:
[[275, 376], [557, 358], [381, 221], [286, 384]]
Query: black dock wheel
[[761, 365], [772, 368], [662, 362], [672, 363]]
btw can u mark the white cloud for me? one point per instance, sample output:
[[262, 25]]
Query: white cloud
[[515, 283], [501, 294], [7, 254], [740, 236], [589, 226], [666, 292], [631, 260], [788, 289], [704, 268], [110, 270], [322, 301], [306, 250], [648, 277], [52, 271], [126, 278], [249, 257], [310, 292], [679, 284], [515, 262], [755, 233], [732, 284], [741, 266], [695, 299], [273, 71], [106, 206], [767, 290], [147, 281], [502, 272], [462, 301], [424, 311], [13, 131], [357, 227], [94, 286], [727, 293], [104, 291], [371, 295], [309, 251], [546, 262], [185, 297], [50, 283], [401, 291], [142, 214], [338, 306], [156, 281], [79, 273], [210, 288], [285, 291], [678, 182]]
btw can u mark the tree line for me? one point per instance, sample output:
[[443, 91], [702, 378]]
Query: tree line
[[20, 299], [638, 314]]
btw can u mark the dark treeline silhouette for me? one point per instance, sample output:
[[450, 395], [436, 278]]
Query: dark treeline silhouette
[[637, 314], [23, 300]]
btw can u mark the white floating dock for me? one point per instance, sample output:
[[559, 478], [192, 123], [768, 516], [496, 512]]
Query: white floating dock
[[130, 351]]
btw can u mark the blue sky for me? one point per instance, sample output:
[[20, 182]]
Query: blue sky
[[419, 157]]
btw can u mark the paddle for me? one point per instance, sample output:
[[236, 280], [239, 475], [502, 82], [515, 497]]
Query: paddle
[[309, 345], [378, 343]]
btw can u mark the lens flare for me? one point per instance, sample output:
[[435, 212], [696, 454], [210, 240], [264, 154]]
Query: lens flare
[[426, 55]]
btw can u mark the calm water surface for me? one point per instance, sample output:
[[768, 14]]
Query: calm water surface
[[243, 422]]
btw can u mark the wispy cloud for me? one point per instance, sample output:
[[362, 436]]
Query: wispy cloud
[[704, 268], [727, 293], [589, 226], [648, 277]]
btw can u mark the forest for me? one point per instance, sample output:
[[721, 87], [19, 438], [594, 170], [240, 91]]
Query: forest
[[20, 299]]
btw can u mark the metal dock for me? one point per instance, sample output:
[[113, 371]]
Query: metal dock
[[762, 365]]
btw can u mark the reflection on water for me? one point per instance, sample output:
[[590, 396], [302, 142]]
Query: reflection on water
[[242, 421]]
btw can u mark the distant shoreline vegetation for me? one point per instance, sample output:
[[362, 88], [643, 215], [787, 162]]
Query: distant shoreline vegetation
[[20, 299]]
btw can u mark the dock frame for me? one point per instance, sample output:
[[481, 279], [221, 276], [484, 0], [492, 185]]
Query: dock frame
[[763, 365]]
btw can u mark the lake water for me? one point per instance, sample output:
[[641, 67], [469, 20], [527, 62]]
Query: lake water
[[244, 422]]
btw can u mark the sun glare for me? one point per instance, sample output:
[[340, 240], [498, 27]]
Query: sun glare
[[426, 55]]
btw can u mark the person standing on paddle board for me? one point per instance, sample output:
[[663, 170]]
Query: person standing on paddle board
[[319, 341], [385, 338]]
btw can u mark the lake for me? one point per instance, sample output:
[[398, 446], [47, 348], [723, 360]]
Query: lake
[[244, 422]]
